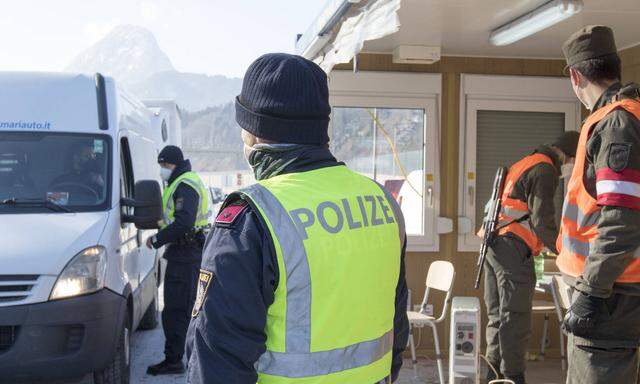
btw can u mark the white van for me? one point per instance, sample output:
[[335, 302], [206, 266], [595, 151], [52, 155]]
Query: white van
[[79, 195]]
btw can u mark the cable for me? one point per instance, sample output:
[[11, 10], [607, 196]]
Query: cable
[[419, 338], [393, 150], [495, 372], [418, 344]]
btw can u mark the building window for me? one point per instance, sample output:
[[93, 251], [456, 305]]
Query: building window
[[387, 145], [388, 132], [502, 123]]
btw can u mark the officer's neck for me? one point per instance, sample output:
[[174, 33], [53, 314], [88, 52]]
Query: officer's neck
[[562, 158], [593, 92]]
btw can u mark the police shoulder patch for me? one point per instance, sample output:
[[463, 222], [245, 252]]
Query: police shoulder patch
[[229, 214], [618, 157], [204, 281], [179, 203]]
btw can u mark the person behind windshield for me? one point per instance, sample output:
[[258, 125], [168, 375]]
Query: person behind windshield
[[85, 171]]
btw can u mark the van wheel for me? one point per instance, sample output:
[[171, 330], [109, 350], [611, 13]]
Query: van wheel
[[150, 318], [118, 370]]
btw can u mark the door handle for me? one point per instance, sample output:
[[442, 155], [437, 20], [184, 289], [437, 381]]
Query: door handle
[[139, 237], [472, 195], [430, 197]]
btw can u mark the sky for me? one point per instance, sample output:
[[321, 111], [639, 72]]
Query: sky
[[200, 36]]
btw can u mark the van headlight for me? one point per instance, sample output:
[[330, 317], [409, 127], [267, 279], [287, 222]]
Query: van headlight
[[84, 274]]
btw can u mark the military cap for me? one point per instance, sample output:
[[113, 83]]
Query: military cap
[[590, 42]]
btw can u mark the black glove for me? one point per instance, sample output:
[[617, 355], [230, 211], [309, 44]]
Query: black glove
[[584, 314]]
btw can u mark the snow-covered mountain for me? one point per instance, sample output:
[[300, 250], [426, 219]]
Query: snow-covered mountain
[[192, 91], [133, 57], [128, 53]]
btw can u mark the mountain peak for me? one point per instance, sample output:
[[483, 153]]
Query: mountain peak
[[136, 32], [129, 53]]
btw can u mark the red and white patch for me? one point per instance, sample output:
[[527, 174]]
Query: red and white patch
[[230, 213], [620, 189]]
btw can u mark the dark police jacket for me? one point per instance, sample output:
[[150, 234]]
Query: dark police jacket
[[186, 201], [228, 335]]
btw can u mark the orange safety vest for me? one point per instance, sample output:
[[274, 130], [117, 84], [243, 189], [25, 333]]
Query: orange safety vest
[[580, 213], [513, 208]]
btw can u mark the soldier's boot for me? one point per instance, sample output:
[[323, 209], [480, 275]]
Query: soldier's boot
[[166, 367]]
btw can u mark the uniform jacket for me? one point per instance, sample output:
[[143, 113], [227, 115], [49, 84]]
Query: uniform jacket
[[185, 201], [613, 146], [537, 186], [227, 337]]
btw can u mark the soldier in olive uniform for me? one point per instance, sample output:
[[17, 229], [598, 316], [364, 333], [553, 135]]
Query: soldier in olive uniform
[[600, 231], [529, 193]]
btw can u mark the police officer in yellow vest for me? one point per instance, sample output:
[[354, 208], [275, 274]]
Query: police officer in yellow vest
[[302, 277], [599, 238], [186, 215]]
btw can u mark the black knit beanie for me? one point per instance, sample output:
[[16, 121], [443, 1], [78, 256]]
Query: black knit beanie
[[568, 143], [285, 98], [171, 155]]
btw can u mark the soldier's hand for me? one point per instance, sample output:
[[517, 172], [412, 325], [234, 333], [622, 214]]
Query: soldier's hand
[[584, 314], [150, 242]]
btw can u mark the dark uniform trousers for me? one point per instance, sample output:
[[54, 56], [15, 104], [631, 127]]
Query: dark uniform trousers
[[509, 284], [180, 288], [610, 354]]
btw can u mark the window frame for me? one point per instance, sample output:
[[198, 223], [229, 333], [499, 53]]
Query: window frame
[[501, 93], [402, 91], [126, 175]]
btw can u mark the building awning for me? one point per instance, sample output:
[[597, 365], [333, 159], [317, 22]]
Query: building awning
[[454, 28], [340, 32]]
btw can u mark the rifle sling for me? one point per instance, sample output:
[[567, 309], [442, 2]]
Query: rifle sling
[[518, 220]]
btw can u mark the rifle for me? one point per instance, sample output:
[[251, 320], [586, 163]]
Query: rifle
[[491, 221]]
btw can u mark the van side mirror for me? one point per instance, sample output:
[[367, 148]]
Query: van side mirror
[[147, 205]]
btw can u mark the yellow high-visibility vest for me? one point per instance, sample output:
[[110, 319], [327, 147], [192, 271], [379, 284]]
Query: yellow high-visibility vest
[[193, 180], [338, 242]]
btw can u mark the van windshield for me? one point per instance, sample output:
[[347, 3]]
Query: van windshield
[[39, 171]]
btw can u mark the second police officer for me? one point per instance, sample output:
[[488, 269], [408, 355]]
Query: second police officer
[[186, 215]]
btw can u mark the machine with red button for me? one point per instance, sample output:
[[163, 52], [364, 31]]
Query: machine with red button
[[464, 365]]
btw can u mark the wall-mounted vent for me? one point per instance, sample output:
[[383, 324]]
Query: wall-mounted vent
[[416, 54]]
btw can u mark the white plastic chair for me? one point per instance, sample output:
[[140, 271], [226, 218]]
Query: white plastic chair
[[440, 277]]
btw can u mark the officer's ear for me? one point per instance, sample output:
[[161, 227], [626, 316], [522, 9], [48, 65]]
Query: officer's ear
[[577, 79], [579, 84], [248, 138]]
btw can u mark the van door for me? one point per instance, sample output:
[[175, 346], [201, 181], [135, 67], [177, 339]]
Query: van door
[[129, 237], [144, 158]]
